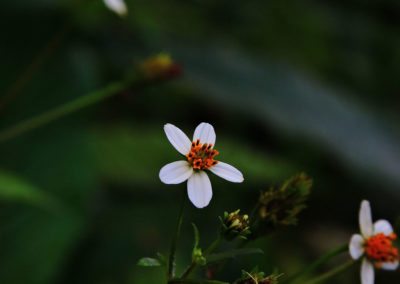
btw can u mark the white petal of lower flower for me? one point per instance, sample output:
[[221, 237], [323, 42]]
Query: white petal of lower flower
[[117, 6], [178, 139], [227, 172], [367, 272], [383, 226], [390, 265], [205, 132], [176, 172], [356, 246], [365, 219], [199, 189]]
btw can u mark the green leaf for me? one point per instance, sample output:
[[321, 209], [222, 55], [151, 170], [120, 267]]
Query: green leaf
[[196, 236], [197, 253], [149, 262], [39, 246], [232, 253], [14, 188], [42, 243], [162, 259]]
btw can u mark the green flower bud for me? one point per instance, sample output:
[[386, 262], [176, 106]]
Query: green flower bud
[[235, 225], [197, 257]]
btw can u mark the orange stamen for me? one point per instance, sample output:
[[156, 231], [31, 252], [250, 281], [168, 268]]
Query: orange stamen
[[380, 249], [201, 156]]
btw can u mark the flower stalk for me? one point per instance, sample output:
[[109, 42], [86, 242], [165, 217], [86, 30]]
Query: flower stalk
[[136, 79], [36, 64], [332, 273], [313, 266], [63, 110], [171, 258]]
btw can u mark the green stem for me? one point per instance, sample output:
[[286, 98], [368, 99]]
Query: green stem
[[193, 281], [26, 76], [209, 250], [332, 272], [213, 246], [171, 259], [317, 263], [63, 110]]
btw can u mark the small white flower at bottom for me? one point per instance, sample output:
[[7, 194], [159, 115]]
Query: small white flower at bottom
[[199, 154], [374, 244], [117, 6]]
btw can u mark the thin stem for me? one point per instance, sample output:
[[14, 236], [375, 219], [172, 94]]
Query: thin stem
[[171, 259], [209, 250], [332, 272], [23, 79], [317, 263], [62, 110], [192, 281], [213, 246]]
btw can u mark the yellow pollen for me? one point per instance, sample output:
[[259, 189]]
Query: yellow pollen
[[379, 248], [201, 156]]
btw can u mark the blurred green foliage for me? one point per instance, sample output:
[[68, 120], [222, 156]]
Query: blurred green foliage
[[288, 86]]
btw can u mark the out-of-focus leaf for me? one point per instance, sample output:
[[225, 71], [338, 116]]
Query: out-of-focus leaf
[[149, 262], [232, 253], [13, 188], [161, 258], [40, 242], [38, 246], [289, 101]]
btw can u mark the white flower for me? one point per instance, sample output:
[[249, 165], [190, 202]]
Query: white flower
[[374, 244], [117, 6], [199, 157]]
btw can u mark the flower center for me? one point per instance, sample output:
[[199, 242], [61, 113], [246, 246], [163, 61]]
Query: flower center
[[380, 248], [201, 156]]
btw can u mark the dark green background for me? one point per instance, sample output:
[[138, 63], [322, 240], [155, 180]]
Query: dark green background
[[289, 86]]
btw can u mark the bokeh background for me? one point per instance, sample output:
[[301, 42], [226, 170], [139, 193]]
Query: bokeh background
[[289, 86]]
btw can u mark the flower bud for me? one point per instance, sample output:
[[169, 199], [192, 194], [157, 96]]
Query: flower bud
[[160, 66], [280, 206], [197, 257], [235, 225]]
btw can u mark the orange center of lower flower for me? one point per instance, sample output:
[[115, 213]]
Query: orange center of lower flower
[[380, 248], [201, 156]]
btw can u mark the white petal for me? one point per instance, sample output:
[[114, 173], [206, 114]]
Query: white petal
[[356, 246], [205, 132], [390, 265], [199, 189], [117, 6], [383, 226], [367, 272], [227, 172], [177, 138], [176, 172], [365, 219]]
